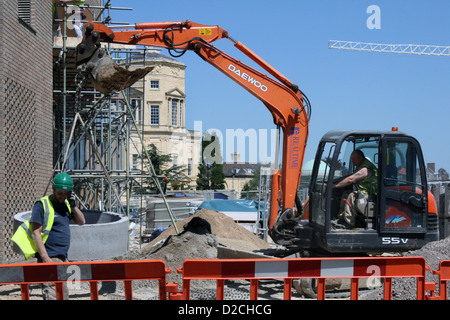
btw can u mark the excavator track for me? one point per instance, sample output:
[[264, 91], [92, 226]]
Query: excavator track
[[308, 288]]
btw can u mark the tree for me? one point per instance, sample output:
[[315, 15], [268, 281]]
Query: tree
[[203, 178], [251, 185], [443, 174], [217, 177], [210, 176], [174, 175]]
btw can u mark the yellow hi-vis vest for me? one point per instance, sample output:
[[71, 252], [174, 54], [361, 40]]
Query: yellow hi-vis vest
[[23, 235]]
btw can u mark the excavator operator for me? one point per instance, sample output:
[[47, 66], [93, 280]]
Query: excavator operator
[[364, 179]]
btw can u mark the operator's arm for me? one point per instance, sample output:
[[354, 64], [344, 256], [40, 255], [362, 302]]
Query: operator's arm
[[357, 176], [36, 234]]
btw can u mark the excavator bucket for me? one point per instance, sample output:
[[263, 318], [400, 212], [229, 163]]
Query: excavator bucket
[[107, 76]]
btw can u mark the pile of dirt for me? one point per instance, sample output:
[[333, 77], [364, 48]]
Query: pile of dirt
[[227, 231], [199, 237], [405, 288]]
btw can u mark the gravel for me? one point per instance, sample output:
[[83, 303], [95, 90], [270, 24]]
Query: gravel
[[405, 288]]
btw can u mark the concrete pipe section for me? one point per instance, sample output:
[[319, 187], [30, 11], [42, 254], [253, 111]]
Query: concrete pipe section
[[104, 236]]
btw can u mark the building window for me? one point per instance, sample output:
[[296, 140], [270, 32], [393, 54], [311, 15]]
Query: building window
[[24, 12], [154, 114], [136, 107], [154, 84], [118, 106], [189, 167], [175, 112], [181, 113], [175, 159], [135, 162]]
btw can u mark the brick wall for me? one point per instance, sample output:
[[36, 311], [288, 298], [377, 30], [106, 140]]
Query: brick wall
[[25, 113]]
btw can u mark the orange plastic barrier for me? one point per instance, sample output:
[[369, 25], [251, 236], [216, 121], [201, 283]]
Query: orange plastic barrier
[[92, 272], [444, 276], [385, 268]]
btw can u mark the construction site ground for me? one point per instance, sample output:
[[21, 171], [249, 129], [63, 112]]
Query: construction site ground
[[198, 243]]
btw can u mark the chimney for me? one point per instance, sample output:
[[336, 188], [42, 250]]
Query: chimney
[[235, 157]]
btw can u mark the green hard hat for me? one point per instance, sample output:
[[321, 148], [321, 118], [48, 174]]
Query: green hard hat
[[63, 181]]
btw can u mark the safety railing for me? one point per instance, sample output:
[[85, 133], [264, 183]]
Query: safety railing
[[385, 268], [91, 272], [377, 269], [444, 277]]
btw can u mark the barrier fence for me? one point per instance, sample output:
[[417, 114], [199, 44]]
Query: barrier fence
[[92, 272], [444, 276], [316, 268], [321, 269]]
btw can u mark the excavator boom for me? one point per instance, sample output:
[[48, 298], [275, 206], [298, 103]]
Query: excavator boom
[[288, 106]]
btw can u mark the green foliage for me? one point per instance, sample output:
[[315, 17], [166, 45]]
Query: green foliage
[[175, 175], [210, 176], [251, 185]]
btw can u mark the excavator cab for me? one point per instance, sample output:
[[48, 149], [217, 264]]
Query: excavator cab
[[398, 214]]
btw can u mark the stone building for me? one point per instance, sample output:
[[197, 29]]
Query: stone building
[[238, 174], [160, 110]]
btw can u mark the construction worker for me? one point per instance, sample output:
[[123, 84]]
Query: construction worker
[[47, 234], [75, 15], [364, 178]]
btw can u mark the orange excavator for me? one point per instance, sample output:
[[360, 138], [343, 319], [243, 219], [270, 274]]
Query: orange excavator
[[399, 215]]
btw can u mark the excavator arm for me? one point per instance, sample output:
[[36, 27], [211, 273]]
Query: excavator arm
[[288, 106]]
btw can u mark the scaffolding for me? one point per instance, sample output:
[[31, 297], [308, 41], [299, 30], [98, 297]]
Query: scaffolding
[[92, 131]]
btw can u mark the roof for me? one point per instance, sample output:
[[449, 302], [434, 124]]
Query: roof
[[240, 169], [335, 135], [229, 205]]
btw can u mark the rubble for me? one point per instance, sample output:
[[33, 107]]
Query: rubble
[[227, 231]]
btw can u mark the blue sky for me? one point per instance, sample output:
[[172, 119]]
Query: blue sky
[[347, 89]]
